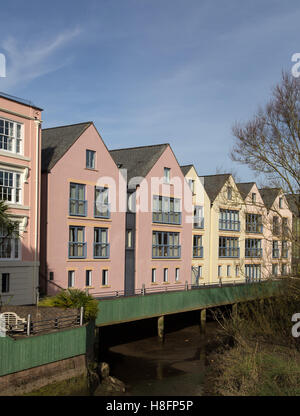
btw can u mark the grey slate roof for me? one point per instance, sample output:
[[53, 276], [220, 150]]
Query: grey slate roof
[[294, 204], [214, 183], [56, 141], [138, 160], [269, 195], [245, 188], [185, 169]]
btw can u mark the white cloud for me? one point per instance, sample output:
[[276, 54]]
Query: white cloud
[[26, 63]]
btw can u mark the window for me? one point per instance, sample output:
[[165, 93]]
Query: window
[[90, 159], [253, 272], [197, 246], [166, 210], [253, 197], [284, 270], [10, 186], [228, 271], [198, 217], [237, 271], [253, 247], [104, 277], [71, 278], [5, 283], [285, 227], [275, 249], [229, 192], [229, 220], [88, 277], [10, 247], [165, 275], [219, 271], [165, 244], [191, 183], [229, 247], [102, 206], [101, 245], [177, 274], [11, 136], [274, 269], [200, 271], [280, 202], [284, 249], [275, 225], [77, 245], [129, 239], [51, 276], [254, 223], [167, 175], [78, 204], [153, 276]]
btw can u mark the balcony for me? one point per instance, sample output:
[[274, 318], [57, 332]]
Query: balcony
[[229, 225], [198, 252], [101, 250], [230, 252], [77, 250], [163, 251], [101, 210], [253, 252], [171, 217], [77, 207], [199, 222]]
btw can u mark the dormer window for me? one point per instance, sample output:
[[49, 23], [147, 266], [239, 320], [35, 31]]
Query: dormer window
[[192, 185], [167, 175], [253, 196], [229, 192], [90, 159]]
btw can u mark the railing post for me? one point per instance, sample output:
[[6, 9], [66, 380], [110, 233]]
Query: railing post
[[117, 294], [28, 324], [220, 282], [81, 315], [56, 323], [186, 285], [143, 289]]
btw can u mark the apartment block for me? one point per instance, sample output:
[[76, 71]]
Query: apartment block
[[20, 162]]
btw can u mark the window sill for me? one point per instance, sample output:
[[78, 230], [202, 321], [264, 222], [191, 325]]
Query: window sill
[[89, 287], [14, 155], [91, 169], [105, 286]]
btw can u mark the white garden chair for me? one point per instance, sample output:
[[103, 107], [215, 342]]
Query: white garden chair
[[13, 322]]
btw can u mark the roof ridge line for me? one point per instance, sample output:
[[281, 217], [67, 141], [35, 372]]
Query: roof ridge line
[[139, 147], [69, 125]]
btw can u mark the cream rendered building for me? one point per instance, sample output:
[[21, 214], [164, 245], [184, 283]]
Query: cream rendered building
[[201, 226]]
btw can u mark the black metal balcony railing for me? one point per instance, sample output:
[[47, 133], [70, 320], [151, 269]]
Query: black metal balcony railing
[[198, 251], [229, 225], [77, 207], [101, 210], [253, 227], [253, 252], [229, 252], [77, 250], [199, 222], [101, 250], [275, 253], [161, 251]]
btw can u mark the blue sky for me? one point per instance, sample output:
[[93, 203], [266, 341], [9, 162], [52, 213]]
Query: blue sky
[[151, 71]]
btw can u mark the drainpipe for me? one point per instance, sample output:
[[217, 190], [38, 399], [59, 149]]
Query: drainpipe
[[37, 193]]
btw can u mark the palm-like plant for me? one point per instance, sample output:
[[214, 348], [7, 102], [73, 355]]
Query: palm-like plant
[[8, 227]]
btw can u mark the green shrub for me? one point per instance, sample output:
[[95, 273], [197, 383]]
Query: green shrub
[[73, 298]]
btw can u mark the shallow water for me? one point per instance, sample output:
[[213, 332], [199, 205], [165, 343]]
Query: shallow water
[[175, 367]]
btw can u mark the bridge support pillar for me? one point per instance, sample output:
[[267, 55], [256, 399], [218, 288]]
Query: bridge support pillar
[[203, 320], [161, 327]]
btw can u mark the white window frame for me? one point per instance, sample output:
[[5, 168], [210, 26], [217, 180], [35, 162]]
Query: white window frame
[[167, 175], [14, 187], [88, 282], [71, 274], [13, 137], [177, 274], [153, 275], [166, 278], [15, 245], [104, 277]]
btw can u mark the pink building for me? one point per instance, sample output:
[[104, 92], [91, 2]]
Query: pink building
[[83, 217], [20, 150], [160, 218]]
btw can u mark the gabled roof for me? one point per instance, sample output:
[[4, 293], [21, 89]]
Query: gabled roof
[[244, 188], [186, 168], [294, 203], [214, 183], [138, 160], [56, 141], [269, 195]]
